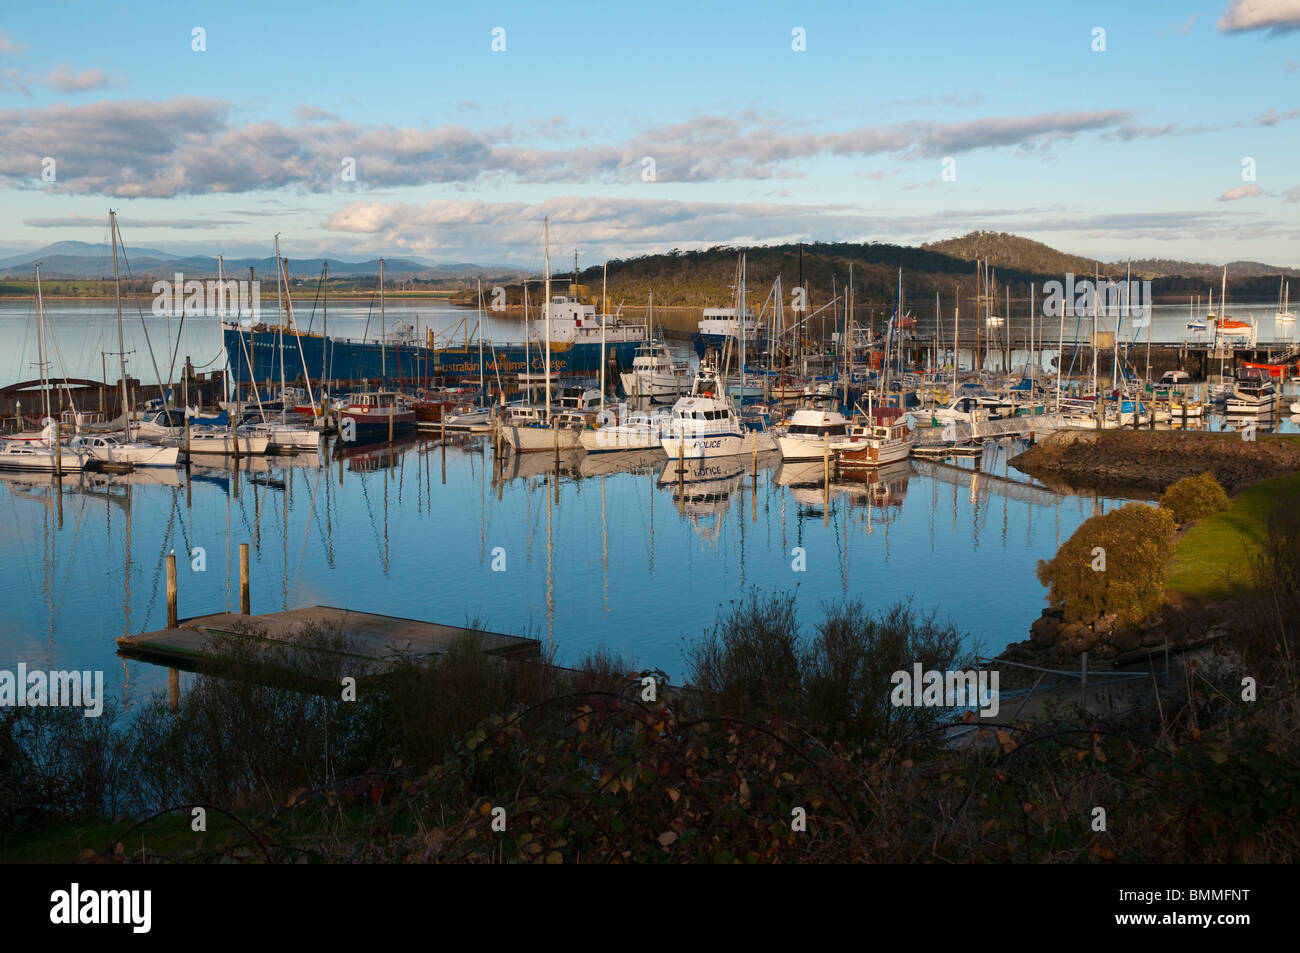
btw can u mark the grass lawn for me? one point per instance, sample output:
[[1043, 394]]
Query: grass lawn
[[61, 844], [1212, 559]]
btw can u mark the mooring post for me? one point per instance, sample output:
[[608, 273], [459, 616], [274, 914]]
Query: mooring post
[[173, 689], [245, 607], [171, 591]]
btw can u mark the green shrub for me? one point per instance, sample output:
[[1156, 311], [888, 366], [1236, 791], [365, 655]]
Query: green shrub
[[848, 670], [1113, 564], [1194, 497]]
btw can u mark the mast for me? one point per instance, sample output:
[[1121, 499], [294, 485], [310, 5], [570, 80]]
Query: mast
[[383, 331], [740, 312], [1096, 280], [1060, 357], [40, 353], [956, 326], [482, 369], [604, 305], [325, 327], [121, 346], [848, 315], [546, 232]]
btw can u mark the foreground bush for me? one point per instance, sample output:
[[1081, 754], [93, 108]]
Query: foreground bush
[[1194, 498], [1112, 565]]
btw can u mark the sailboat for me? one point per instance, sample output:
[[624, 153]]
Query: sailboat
[[533, 429], [41, 452], [1284, 313], [1194, 324]]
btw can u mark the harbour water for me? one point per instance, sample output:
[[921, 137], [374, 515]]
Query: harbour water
[[609, 552]]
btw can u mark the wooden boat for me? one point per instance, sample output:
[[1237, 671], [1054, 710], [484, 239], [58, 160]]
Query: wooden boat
[[875, 438]]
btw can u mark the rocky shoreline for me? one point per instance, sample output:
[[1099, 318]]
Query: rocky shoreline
[[1151, 460]]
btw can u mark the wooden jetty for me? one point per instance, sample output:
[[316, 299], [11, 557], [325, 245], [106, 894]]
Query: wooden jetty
[[373, 642]]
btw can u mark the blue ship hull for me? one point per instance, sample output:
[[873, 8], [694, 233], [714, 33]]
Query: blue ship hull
[[704, 342], [344, 361]]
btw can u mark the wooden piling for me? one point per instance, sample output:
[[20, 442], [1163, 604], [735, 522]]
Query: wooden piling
[[172, 616], [173, 689], [245, 607]]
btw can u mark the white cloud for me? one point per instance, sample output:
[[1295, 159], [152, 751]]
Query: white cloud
[[1276, 16], [1240, 192], [189, 146], [64, 80]]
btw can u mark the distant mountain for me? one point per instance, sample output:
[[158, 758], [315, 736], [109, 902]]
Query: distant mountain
[[82, 260], [1004, 250]]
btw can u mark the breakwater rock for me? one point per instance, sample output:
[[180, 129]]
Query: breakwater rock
[[1150, 460]]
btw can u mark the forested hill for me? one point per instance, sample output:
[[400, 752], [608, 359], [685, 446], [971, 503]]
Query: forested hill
[[706, 278]]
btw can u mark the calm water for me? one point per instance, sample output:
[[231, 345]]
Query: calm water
[[621, 558], [85, 333]]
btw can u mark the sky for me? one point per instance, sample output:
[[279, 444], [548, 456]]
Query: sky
[[450, 132]]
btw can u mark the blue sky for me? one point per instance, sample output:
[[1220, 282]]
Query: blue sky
[[460, 150]]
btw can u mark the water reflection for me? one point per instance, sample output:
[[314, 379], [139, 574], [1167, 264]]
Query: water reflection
[[626, 549]]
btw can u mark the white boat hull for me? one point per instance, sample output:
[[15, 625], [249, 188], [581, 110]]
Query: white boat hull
[[25, 456], [795, 448], [538, 439], [616, 439], [705, 445], [225, 444], [651, 385]]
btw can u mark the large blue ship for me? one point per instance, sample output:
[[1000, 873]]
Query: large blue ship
[[257, 354]]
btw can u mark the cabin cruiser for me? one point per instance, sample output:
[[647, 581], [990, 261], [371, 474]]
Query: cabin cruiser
[[704, 423], [654, 373], [875, 438], [811, 430], [1252, 394]]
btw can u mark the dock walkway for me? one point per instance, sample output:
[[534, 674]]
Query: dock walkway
[[374, 642]]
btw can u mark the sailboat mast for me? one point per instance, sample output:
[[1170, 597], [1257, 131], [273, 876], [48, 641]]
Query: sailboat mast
[[546, 241], [40, 353], [482, 369], [383, 328], [604, 305], [121, 345]]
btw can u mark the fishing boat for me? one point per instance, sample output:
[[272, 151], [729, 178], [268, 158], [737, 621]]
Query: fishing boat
[[377, 413], [875, 438], [704, 423]]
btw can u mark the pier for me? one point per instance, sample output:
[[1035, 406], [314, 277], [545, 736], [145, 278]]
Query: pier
[[374, 642]]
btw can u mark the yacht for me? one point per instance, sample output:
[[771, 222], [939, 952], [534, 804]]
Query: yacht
[[654, 373], [113, 450], [1254, 394]]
